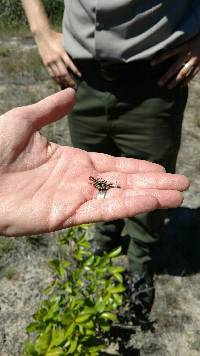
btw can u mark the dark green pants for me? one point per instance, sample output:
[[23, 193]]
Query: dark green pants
[[129, 116]]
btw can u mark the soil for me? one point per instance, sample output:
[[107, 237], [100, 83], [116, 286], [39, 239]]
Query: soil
[[23, 261]]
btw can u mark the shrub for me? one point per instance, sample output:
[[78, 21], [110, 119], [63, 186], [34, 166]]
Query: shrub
[[81, 302]]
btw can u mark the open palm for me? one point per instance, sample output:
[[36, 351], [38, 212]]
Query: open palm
[[45, 187]]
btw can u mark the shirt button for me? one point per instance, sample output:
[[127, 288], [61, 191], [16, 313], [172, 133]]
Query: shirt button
[[99, 26]]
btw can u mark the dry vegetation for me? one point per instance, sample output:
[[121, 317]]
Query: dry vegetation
[[23, 261]]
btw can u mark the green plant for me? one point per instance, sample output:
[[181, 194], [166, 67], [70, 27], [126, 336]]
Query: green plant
[[12, 13], [82, 301]]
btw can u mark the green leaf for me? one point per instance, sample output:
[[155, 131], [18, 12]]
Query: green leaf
[[118, 277], [49, 288], [70, 329], [116, 269], [89, 325], [58, 337], [43, 341], [89, 310], [67, 287], [82, 318], [81, 329], [105, 328], [89, 261], [65, 264], [97, 260], [118, 298], [29, 348], [108, 316], [62, 271], [100, 307], [55, 352], [32, 327], [40, 313], [90, 332], [64, 240], [66, 318], [84, 243], [54, 264], [117, 289], [93, 350], [78, 256], [115, 253], [84, 227], [102, 270], [73, 345], [51, 312]]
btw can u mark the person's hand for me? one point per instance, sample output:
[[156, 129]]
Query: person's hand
[[185, 66], [55, 59], [46, 187]]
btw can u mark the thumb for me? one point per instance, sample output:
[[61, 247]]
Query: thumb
[[50, 109]]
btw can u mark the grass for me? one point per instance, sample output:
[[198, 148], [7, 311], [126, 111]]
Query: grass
[[195, 340], [8, 273], [15, 64], [198, 121], [25, 81], [6, 245], [8, 29], [4, 52], [11, 29], [13, 18]]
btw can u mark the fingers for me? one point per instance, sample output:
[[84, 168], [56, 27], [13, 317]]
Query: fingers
[[178, 73], [159, 181], [59, 68], [64, 77], [184, 73], [190, 48], [49, 109], [185, 67], [68, 62], [112, 209], [119, 203], [104, 163], [172, 72], [191, 76], [55, 59], [149, 180], [160, 58], [59, 72], [165, 198]]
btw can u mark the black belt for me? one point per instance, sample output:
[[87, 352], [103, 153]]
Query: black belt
[[117, 71]]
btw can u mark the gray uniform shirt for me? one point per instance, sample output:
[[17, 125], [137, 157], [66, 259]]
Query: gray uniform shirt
[[127, 30]]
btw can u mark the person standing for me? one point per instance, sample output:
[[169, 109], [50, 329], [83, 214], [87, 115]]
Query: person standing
[[131, 62]]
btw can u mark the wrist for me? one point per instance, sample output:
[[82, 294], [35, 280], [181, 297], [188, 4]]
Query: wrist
[[40, 32]]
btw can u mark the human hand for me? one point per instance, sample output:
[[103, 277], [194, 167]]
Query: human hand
[[185, 67], [45, 187], [55, 59]]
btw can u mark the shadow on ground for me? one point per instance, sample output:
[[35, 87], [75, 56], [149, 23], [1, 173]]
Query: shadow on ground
[[177, 253]]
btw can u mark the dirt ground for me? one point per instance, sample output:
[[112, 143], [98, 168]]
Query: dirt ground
[[23, 261]]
